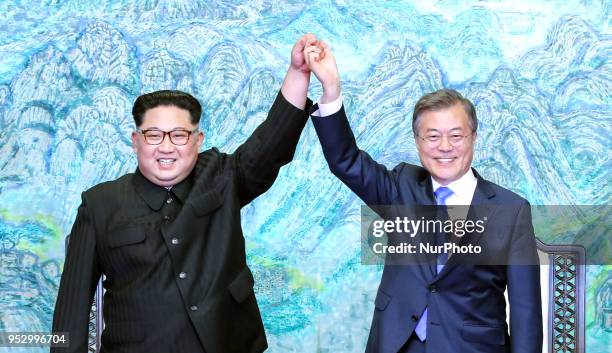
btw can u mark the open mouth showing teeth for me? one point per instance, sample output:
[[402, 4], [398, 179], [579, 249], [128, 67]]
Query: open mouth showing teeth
[[166, 160], [445, 160]]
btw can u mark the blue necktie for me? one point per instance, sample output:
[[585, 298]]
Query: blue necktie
[[442, 194]]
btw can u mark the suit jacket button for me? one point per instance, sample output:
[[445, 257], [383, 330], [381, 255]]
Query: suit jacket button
[[193, 308], [166, 218], [433, 288], [174, 241], [182, 275], [415, 317]]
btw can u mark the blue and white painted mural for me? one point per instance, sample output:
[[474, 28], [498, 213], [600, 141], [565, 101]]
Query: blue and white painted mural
[[539, 74]]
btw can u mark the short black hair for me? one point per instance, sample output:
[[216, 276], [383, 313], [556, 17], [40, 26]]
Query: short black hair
[[172, 98], [442, 99]]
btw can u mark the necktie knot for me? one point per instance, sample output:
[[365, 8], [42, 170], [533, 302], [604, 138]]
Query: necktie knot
[[442, 193]]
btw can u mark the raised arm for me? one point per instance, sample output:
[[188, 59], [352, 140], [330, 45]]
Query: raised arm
[[273, 143], [370, 180]]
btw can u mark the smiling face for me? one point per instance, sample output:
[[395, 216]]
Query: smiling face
[[166, 164], [445, 161]]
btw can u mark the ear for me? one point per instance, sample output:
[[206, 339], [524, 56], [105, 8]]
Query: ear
[[135, 141], [416, 142], [200, 139]]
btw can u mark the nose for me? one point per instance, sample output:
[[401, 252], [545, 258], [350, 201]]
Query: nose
[[445, 144], [166, 145]]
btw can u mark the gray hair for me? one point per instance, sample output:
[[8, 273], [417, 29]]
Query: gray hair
[[441, 99]]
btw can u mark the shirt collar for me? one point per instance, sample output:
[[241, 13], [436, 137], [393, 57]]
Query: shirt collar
[[155, 195], [462, 187]]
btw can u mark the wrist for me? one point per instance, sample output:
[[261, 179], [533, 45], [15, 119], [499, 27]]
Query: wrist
[[330, 93], [296, 72], [295, 87]]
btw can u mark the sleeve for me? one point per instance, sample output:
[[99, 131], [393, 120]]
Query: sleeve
[[272, 145], [371, 181], [524, 295], [327, 109], [79, 280]]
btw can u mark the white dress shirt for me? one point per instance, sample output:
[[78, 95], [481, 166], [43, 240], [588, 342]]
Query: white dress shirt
[[463, 189], [328, 109]]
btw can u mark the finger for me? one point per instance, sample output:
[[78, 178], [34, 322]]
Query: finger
[[299, 45], [311, 48], [310, 38], [311, 58], [307, 59], [314, 57], [323, 52], [327, 51], [324, 46], [320, 47]]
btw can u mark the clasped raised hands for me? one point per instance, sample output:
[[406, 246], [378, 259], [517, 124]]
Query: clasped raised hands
[[321, 62], [310, 55]]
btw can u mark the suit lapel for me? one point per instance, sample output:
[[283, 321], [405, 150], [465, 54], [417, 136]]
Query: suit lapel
[[426, 195], [482, 205]]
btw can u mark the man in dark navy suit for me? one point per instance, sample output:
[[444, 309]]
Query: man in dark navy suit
[[449, 306]]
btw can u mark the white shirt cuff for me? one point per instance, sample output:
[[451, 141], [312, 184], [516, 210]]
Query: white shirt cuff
[[328, 109]]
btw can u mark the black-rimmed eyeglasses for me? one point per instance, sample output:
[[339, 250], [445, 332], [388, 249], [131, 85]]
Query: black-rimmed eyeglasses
[[178, 137]]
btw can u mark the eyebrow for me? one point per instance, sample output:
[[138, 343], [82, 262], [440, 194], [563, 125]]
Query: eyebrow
[[173, 129], [453, 129]]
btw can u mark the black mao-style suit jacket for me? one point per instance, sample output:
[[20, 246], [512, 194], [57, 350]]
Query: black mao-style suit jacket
[[178, 282]]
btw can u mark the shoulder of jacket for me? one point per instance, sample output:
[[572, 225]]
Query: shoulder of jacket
[[211, 153], [410, 171], [508, 196], [109, 187], [209, 161]]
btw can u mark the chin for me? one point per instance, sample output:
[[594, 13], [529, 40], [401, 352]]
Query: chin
[[445, 178], [164, 182], [164, 177]]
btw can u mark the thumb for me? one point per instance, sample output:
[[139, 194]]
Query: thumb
[[299, 46], [311, 55]]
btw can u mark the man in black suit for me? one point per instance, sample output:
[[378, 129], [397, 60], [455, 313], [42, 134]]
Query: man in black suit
[[168, 237], [455, 303]]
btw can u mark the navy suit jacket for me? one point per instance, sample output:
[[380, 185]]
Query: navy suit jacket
[[466, 303]]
